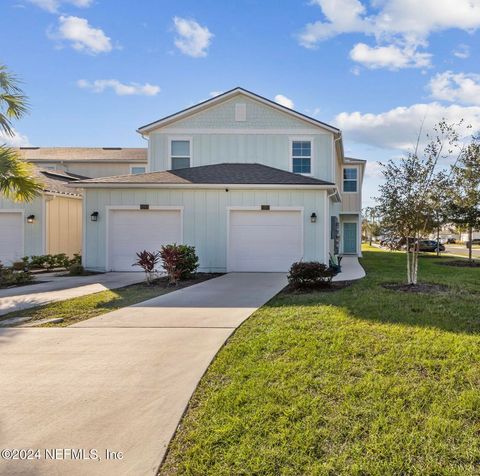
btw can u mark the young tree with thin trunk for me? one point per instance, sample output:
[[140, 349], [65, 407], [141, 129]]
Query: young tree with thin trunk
[[464, 204], [412, 191], [17, 181]]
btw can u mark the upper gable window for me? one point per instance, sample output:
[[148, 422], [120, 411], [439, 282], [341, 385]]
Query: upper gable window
[[137, 169], [302, 157], [350, 179], [180, 154]]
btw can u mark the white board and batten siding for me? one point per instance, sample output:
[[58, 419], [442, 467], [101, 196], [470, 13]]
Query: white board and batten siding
[[206, 224], [264, 240], [131, 230]]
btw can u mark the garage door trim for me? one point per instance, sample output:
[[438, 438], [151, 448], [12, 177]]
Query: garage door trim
[[134, 207], [22, 214], [259, 209]]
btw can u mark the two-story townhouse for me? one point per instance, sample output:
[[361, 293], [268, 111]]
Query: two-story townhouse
[[254, 186], [52, 222]]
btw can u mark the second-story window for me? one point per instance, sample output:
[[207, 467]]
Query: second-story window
[[134, 169], [350, 180], [301, 157], [180, 154]]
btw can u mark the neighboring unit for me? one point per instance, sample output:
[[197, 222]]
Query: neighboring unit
[[88, 161], [253, 185], [50, 224]]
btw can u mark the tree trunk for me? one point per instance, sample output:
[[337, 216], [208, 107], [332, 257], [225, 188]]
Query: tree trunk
[[438, 240], [470, 247]]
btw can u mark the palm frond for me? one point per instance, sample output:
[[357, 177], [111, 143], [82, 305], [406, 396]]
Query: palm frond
[[13, 103], [17, 178]]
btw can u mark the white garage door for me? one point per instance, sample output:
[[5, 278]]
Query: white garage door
[[11, 237], [264, 240], [131, 231]]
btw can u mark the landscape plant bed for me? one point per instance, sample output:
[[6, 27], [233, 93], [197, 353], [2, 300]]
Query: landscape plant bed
[[327, 288], [416, 288], [85, 307], [21, 285], [363, 381], [461, 263]]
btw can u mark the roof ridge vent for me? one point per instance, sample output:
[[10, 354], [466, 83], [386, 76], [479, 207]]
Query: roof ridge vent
[[112, 148]]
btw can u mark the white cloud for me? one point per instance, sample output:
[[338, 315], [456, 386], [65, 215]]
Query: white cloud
[[17, 140], [399, 127], [399, 24], [121, 89], [391, 57], [462, 51], [284, 101], [460, 87], [373, 169], [412, 20], [81, 35], [193, 39], [52, 6]]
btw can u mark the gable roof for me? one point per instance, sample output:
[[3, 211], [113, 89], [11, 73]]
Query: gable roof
[[227, 95], [83, 154], [217, 174]]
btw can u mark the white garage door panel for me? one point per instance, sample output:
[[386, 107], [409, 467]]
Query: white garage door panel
[[11, 237], [131, 231], [264, 240]]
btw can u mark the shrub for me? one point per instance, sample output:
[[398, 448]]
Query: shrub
[[179, 261], [76, 269], [9, 277], [309, 274], [147, 260], [18, 266], [60, 260]]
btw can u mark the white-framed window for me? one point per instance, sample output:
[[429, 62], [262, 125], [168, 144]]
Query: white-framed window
[[301, 156], [350, 179], [137, 169], [180, 153]]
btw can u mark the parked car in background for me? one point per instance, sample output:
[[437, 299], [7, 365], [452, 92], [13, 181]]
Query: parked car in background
[[451, 241], [475, 241], [430, 246]]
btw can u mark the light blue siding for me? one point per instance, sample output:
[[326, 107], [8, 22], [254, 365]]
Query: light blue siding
[[216, 137], [205, 218]]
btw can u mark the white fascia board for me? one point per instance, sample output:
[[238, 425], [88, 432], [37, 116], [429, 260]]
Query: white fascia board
[[331, 188]]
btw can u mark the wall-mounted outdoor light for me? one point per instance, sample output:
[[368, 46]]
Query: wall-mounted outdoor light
[[94, 216], [30, 218], [313, 218]]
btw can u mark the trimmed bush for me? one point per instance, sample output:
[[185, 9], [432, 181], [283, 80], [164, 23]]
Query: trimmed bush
[[76, 269], [9, 277], [60, 260], [310, 274], [179, 261]]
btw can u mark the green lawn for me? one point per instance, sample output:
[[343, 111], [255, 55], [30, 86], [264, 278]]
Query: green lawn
[[363, 381], [85, 307]]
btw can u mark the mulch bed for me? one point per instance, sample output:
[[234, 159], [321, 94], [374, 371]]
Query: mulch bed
[[424, 288], [333, 287], [163, 281], [461, 263]]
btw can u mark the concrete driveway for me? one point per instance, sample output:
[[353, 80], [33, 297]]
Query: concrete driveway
[[119, 382], [58, 288]]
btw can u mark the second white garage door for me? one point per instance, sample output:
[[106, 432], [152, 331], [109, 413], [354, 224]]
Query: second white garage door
[[11, 237], [268, 241], [131, 231]]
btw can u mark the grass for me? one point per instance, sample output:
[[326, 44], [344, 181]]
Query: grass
[[363, 381], [85, 307]]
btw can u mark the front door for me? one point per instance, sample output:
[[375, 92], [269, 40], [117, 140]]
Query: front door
[[350, 238]]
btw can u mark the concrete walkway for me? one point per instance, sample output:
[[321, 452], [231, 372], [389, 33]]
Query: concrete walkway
[[118, 382], [59, 288], [351, 270]]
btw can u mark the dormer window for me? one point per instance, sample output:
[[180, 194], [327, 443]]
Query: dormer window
[[301, 157], [350, 179], [180, 154]]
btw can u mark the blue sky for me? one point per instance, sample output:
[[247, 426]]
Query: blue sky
[[95, 70]]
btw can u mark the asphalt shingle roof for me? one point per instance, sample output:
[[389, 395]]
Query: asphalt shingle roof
[[57, 182], [226, 173]]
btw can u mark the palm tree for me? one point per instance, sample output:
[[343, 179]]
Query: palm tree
[[17, 181]]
